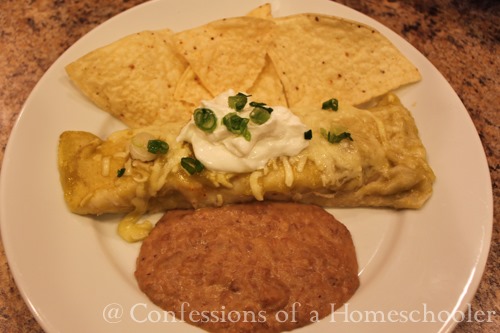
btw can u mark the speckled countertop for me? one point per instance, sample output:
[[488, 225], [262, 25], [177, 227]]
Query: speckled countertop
[[460, 37]]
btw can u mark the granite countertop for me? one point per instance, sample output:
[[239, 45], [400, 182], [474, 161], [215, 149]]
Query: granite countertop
[[460, 37]]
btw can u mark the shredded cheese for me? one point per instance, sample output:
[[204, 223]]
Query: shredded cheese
[[301, 163], [154, 178], [86, 199], [140, 176], [128, 167], [381, 129], [105, 166], [121, 154], [223, 179], [288, 171], [162, 179], [255, 186], [272, 163], [219, 200]]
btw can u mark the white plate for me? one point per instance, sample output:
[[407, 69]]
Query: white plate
[[415, 266]]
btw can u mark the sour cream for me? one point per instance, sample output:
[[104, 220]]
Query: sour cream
[[221, 150]]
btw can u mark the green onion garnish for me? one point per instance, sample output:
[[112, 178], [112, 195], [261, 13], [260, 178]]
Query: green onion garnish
[[259, 115], [261, 105], [157, 147], [192, 165], [331, 104], [238, 101], [308, 135], [120, 172], [237, 125], [335, 138], [205, 119]]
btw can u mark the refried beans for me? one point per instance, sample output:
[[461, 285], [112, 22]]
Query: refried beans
[[260, 267]]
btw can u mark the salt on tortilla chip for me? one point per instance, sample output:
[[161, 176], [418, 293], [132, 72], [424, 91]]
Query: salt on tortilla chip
[[228, 53], [320, 57], [263, 11], [134, 78], [268, 88]]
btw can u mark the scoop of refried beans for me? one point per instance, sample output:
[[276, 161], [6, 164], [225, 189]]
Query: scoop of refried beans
[[261, 267]]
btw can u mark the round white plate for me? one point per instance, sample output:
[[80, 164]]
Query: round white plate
[[416, 267]]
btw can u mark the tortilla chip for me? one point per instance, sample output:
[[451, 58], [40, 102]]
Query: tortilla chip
[[228, 53], [268, 88], [320, 57], [263, 11], [134, 78], [190, 89]]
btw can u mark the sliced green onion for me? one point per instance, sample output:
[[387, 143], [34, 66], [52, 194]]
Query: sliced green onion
[[157, 147], [259, 115], [238, 101], [331, 104], [308, 135], [335, 138], [192, 165], [237, 125], [205, 119], [261, 105], [120, 172]]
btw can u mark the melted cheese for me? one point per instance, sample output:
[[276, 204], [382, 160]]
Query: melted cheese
[[383, 166]]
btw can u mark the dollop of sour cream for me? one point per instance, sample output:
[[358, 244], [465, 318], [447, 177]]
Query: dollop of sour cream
[[281, 135]]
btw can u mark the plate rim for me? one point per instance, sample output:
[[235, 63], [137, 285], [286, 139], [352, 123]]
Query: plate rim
[[17, 271]]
